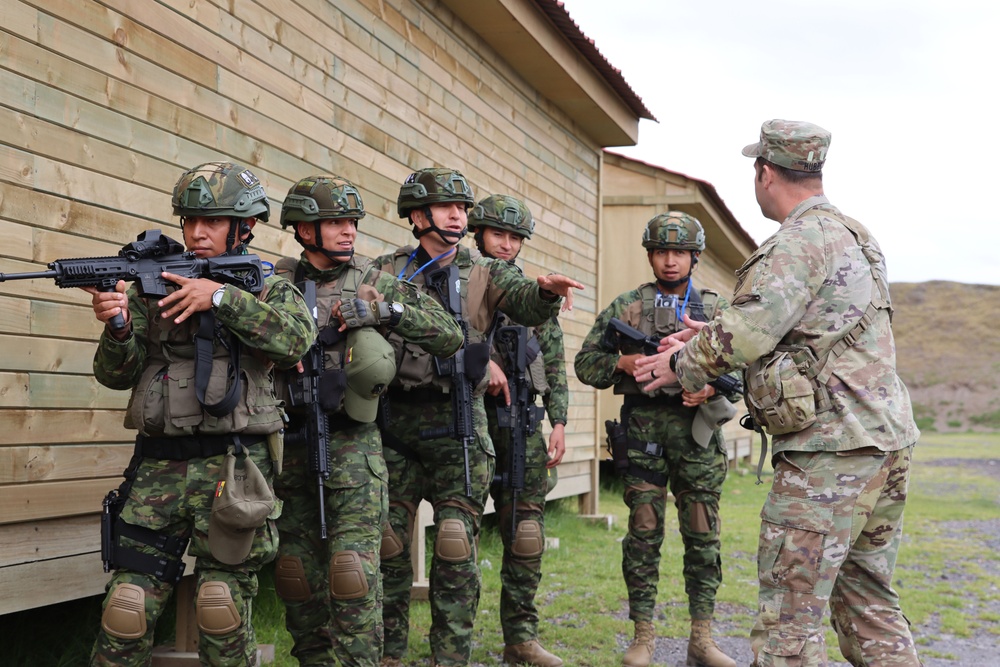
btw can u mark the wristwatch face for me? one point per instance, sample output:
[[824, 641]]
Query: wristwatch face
[[217, 297], [397, 307]]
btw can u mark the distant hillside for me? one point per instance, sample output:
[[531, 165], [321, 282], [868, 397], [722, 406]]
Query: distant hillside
[[948, 352]]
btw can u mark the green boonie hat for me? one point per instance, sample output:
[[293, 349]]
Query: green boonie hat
[[674, 230], [217, 189], [370, 365], [321, 197], [792, 144], [242, 503], [503, 212], [433, 186]]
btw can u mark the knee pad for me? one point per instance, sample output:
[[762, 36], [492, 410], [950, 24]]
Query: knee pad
[[125, 615], [392, 546], [699, 518], [215, 609], [644, 518], [347, 576], [452, 543], [529, 540], [290, 579]]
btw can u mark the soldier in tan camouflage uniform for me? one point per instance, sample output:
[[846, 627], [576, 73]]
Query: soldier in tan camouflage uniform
[[330, 584], [501, 224], [810, 323], [187, 429]]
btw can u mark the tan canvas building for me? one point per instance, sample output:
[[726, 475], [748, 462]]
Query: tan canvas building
[[103, 106]]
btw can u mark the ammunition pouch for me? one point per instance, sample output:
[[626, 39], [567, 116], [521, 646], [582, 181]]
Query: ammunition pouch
[[780, 396]]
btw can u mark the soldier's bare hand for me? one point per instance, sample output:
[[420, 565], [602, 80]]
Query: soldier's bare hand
[[561, 285], [693, 399], [498, 382], [193, 295], [557, 446], [655, 369], [108, 304], [626, 363], [684, 335], [335, 314]]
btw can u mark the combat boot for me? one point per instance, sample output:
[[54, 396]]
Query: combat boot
[[530, 653], [640, 652], [702, 649]]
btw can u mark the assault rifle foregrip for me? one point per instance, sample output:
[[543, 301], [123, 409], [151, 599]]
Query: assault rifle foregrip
[[630, 340]]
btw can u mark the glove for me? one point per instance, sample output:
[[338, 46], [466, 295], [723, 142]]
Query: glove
[[359, 313]]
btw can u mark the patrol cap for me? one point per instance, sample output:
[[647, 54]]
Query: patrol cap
[[712, 414], [241, 505], [370, 365], [791, 144]]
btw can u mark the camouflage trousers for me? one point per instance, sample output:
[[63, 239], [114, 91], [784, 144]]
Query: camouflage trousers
[[332, 589], [175, 498], [520, 572], [830, 532], [435, 469], [695, 475]]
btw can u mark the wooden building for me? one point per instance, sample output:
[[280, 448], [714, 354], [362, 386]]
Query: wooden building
[[104, 104]]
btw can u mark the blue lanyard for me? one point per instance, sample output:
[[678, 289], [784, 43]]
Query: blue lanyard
[[681, 308], [414, 254]]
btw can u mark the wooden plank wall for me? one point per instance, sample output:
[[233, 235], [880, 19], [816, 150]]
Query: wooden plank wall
[[104, 104]]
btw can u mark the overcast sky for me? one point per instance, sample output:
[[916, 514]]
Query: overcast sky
[[908, 89]]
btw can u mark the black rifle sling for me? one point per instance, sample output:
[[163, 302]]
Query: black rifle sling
[[204, 342]]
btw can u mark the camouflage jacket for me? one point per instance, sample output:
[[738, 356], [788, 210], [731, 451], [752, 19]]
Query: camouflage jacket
[[596, 361], [424, 323], [278, 327], [808, 285]]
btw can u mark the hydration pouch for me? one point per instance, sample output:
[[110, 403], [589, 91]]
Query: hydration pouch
[[779, 396], [617, 444]]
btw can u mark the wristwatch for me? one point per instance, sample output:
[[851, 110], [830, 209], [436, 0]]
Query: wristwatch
[[217, 297], [395, 313]]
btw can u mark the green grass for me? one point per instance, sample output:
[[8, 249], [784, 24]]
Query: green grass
[[943, 573]]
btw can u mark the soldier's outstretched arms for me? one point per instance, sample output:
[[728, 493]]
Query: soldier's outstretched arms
[[526, 301]]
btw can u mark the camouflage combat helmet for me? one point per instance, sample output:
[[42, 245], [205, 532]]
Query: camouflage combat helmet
[[503, 212], [321, 197], [674, 230], [220, 189], [433, 186]]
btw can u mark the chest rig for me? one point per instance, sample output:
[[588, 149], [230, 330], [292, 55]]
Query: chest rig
[[417, 369], [652, 319], [200, 381], [348, 285]]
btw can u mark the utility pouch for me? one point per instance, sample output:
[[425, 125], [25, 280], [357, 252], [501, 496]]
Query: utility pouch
[[780, 396], [111, 510], [276, 448], [617, 444]]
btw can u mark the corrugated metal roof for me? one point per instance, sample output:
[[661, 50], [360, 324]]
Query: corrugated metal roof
[[557, 13]]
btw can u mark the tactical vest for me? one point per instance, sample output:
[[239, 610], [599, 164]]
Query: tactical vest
[[653, 320], [347, 286], [164, 402], [415, 367]]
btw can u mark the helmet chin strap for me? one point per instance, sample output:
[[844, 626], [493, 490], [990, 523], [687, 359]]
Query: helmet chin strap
[[449, 237], [237, 228]]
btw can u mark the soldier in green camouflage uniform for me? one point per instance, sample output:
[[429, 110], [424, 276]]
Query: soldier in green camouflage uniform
[[501, 223], [810, 322], [422, 461], [183, 438], [331, 587], [662, 450]]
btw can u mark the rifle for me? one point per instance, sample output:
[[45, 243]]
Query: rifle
[[142, 262], [448, 285], [630, 340], [521, 417], [304, 392]]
